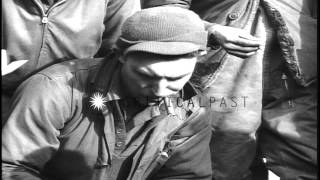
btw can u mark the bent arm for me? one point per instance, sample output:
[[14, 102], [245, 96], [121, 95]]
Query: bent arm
[[117, 12], [234, 40], [30, 135], [152, 3]]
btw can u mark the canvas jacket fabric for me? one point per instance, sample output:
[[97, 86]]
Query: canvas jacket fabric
[[67, 30], [276, 96], [295, 35], [53, 132]]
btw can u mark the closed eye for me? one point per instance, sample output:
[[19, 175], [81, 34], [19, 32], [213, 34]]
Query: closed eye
[[146, 75], [174, 89], [153, 76], [177, 77]]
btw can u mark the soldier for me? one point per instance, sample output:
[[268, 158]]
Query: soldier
[[264, 50], [111, 118]]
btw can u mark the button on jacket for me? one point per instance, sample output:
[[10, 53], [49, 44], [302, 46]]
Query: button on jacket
[[53, 132]]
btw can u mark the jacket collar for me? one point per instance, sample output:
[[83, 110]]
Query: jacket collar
[[106, 80]]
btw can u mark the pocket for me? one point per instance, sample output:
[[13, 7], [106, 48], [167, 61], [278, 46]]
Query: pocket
[[159, 160]]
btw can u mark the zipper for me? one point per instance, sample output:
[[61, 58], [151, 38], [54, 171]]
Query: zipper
[[44, 19], [285, 81], [45, 14], [160, 159], [167, 151]]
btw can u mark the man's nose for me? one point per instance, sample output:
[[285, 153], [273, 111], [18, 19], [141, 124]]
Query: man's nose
[[160, 88]]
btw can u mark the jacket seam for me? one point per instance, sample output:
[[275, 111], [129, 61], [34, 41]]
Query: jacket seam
[[56, 82], [286, 43]]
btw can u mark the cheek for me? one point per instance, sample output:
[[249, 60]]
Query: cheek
[[178, 85], [136, 81], [182, 81]]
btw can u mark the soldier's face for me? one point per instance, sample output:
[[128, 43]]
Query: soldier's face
[[156, 76]]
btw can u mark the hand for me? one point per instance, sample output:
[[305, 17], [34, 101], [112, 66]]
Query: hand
[[234, 40], [8, 68]]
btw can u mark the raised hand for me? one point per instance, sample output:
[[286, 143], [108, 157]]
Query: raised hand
[[234, 40]]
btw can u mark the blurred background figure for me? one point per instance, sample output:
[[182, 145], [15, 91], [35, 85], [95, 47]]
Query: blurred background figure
[[266, 51], [116, 117], [45, 32]]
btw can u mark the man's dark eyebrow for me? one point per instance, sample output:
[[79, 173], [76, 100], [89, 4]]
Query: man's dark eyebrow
[[146, 74], [169, 78], [178, 77]]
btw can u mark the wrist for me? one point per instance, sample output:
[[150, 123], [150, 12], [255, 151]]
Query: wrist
[[213, 28], [213, 40]]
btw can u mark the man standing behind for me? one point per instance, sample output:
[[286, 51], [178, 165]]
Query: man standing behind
[[112, 118], [45, 32], [264, 50]]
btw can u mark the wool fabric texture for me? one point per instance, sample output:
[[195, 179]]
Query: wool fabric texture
[[163, 30]]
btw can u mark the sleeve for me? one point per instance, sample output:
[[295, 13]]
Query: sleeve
[[152, 3], [30, 135], [314, 13], [117, 12], [191, 159]]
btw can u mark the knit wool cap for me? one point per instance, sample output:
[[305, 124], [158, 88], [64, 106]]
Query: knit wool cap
[[163, 30]]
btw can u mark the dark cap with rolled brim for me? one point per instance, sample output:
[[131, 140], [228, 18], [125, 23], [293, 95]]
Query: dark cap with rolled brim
[[163, 30]]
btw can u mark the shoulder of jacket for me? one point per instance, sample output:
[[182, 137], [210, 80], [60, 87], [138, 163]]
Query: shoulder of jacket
[[69, 69]]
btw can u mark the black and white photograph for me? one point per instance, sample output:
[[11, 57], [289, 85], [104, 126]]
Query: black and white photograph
[[159, 90]]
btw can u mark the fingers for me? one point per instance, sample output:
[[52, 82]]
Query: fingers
[[249, 37], [241, 54], [248, 40], [235, 47]]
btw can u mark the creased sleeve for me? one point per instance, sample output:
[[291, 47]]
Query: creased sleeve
[[117, 12], [153, 3], [30, 135]]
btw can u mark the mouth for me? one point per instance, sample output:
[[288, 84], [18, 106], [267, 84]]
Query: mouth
[[149, 100]]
